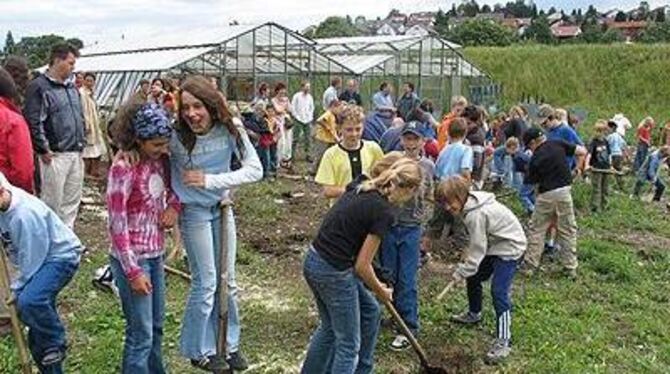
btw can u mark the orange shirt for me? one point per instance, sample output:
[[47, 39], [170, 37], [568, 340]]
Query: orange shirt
[[443, 130]]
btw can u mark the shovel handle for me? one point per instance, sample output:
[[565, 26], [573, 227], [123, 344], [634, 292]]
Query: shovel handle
[[445, 291], [408, 334]]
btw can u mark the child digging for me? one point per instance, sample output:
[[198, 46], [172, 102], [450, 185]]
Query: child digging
[[619, 152], [338, 269], [649, 172], [400, 247], [136, 199], [600, 163], [46, 253], [496, 243]]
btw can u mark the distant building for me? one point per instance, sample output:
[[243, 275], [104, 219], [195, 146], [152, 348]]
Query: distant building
[[629, 29], [563, 31]]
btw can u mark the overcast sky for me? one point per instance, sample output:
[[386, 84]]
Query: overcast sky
[[102, 20]]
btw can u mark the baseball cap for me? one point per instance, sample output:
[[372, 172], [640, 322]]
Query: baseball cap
[[412, 127], [532, 134]]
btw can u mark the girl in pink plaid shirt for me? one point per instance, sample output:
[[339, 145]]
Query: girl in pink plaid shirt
[[141, 205]]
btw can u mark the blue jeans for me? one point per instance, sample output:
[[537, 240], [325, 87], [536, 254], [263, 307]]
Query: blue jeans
[[268, 157], [349, 316], [527, 197], [36, 304], [640, 155], [202, 242], [501, 284], [400, 255], [144, 318]]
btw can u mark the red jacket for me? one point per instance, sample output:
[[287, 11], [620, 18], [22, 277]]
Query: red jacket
[[16, 150]]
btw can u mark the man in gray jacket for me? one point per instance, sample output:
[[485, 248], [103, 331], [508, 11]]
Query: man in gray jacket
[[53, 111]]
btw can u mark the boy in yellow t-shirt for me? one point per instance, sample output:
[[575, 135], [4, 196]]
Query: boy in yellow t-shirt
[[325, 133], [348, 159]]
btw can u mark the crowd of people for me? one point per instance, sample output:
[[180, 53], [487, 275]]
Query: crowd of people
[[400, 185]]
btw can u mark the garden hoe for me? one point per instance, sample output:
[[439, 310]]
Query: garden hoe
[[425, 366], [24, 360], [221, 366]]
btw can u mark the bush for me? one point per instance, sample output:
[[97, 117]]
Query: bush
[[481, 33]]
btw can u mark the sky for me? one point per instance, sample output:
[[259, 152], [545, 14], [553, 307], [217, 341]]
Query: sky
[[104, 20]]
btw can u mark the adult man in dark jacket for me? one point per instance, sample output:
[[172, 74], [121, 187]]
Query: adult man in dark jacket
[[351, 95], [53, 111]]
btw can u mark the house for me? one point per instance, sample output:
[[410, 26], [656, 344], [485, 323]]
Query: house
[[555, 17], [517, 24], [629, 29], [610, 15], [564, 31], [387, 28], [419, 30], [423, 18]]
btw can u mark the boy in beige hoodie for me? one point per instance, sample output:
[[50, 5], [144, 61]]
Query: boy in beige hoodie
[[496, 243]]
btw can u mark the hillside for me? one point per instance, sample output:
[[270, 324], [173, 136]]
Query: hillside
[[604, 79]]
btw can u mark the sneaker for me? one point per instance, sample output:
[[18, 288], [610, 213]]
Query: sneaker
[[104, 280], [237, 361], [467, 318], [203, 363], [498, 352], [400, 343], [52, 356]]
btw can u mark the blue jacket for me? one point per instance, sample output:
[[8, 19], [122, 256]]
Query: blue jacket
[[53, 111], [568, 134], [375, 125], [649, 169], [33, 235], [390, 141]]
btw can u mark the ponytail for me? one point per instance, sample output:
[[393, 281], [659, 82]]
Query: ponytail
[[404, 173]]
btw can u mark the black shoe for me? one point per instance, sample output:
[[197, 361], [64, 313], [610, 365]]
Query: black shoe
[[52, 357], [237, 361], [203, 363]]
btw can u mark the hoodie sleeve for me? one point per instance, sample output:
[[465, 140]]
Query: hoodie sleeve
[[251, 170], [476, 250], [32, 249]]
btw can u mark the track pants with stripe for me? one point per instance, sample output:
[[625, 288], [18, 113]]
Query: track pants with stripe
[[501, 273]]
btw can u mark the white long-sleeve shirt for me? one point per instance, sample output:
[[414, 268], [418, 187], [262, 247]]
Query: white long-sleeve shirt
[[302, 107]]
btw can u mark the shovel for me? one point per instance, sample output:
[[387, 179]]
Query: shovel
[[425, 366], [221, 366], [19, 339]]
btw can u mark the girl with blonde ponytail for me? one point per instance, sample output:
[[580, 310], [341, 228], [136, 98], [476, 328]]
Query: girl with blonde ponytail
[[338, 269]]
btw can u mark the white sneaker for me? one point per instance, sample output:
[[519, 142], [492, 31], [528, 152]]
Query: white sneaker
[[104, 279], [400, 343]]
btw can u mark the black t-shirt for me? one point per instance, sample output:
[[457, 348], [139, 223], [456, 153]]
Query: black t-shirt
[[346, 225], [354, 160], [548, 167], [351, 98], [600, 153]]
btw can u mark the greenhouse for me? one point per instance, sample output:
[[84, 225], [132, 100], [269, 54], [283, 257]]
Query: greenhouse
[[241, 56]]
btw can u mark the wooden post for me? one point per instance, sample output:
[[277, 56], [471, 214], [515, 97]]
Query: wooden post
[[24, 359]]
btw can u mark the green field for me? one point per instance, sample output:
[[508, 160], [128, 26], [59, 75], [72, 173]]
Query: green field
[[603, 79]]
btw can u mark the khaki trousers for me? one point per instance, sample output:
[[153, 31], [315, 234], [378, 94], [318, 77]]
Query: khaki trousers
[[62, 184]]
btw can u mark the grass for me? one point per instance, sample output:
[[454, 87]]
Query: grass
[[612, 320], [604, 79]]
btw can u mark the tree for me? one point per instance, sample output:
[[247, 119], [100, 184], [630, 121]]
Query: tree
[[335, 26], [485, 9], [453, 12], [656, 33], [620, 17], [591, 33], [612, 36], [10, 46], [481, 32], [643, 10], [36, 49], [540, 31], [441, 23], [660, 16], [468, 8]]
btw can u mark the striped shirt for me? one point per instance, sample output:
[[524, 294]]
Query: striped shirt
[[136, 198]]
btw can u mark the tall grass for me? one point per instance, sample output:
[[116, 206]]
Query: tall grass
[[604, 79]]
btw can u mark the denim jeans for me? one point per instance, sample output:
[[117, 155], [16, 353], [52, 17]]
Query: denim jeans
[[400, 255], [527, 197], [144, 318], [640, 155], [268, 157], [202, 242], [349, 316], [659, 188], [36, 304], [501, 284]]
